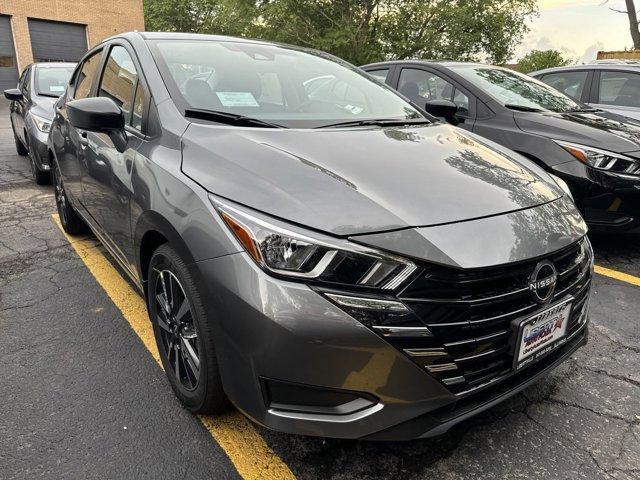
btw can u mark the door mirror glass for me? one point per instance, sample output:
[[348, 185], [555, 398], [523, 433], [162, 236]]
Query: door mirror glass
[[444, 109], [13, 94], [99, 114]]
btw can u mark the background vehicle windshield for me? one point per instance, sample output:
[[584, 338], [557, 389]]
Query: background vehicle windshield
[[293, 88], [51, 81], [514, 89]]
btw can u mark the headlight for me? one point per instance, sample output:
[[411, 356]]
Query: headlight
[[289, 252], [602, 159], [562, 184], [42, 124]]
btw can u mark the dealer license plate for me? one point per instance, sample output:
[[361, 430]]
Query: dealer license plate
[[542, 333]]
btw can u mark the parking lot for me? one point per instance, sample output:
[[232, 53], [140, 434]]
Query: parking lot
[[83, 397]]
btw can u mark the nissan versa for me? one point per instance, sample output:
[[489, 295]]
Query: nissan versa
[[31, 112], [596, 152], [331, 260]]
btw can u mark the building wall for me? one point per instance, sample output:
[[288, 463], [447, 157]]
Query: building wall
[[103, 18], [621, 55]]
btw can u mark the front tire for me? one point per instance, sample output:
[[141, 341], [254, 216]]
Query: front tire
[[39, 176], [183, 333], [20, 148], [71, 222]]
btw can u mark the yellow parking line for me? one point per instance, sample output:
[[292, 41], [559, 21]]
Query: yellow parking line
[[623, 277], [247, 450]]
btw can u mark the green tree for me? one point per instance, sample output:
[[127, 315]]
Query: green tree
[[222, 17], [364, 31], [539, 59], [360, 31]]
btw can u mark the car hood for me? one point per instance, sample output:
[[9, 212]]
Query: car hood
[[600, 129], [43, 106], [498, 240], [354, 181]]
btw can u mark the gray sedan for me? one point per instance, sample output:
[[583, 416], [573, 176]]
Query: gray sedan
[[328, 258], [32, 109]]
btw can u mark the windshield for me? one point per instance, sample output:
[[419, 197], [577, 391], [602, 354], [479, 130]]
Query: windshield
[[285, 86], [514, 89], [51, 81]]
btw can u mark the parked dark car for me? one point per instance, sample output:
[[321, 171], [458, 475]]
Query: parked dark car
[[331, 260], [596, 152], [609, 85], [31, 112]]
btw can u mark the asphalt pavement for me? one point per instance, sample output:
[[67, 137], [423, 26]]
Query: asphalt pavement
[[81, 397]]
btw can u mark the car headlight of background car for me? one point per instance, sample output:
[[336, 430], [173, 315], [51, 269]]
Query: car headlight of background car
[[41, 123], [312, 257], [602, 159]]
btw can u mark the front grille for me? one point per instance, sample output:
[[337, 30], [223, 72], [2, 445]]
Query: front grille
[[470, 315]]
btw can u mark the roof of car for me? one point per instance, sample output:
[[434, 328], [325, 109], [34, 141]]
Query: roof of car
[[190, 36], [619, 66], [444, 63]]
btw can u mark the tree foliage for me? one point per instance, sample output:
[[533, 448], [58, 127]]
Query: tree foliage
[[540, 59], [223, 17], [360, 31]]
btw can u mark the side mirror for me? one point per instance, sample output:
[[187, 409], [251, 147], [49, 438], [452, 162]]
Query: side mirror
[[13, 94], [445, 109], [99, 114]]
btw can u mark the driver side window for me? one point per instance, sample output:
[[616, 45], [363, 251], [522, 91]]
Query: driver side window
[[421, 85]]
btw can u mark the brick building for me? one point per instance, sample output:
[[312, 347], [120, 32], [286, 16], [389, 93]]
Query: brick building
[[58, 30]]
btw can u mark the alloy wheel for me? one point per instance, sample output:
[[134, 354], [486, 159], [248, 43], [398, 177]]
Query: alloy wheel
[[177, 329]]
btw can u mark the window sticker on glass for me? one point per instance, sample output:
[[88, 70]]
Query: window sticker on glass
[[56, 88], [237, 99]]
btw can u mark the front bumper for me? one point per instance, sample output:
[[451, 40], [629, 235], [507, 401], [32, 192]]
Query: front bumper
[[39, 149], [608, 201], [268, 328]]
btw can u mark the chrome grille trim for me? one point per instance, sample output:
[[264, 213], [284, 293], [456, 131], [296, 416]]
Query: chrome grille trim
[[402, 331], [445, 367], [485, 338], [471, 300], [471, 313], [426, 352]]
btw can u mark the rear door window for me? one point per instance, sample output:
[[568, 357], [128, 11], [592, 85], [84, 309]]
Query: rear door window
[[620, 89], [569, 83]]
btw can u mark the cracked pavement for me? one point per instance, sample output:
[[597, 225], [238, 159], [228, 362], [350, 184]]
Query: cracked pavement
[[82, 398]]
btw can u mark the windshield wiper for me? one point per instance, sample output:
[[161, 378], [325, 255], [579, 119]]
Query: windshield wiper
[[522, 108], [229, 118], [377, 122], [51, 95], [583, 110]]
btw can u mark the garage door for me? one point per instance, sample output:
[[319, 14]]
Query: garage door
[[57, 41], [8, 64]]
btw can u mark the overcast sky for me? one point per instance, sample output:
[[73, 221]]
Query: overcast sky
[[578, 28]]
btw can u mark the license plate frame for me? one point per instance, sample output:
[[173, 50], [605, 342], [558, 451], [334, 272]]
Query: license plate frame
[[548, 318]]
